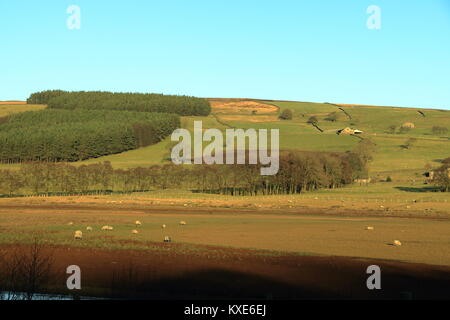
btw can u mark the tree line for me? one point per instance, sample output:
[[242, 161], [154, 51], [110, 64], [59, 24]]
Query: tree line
[[299, 172], [63, 135], [99, 100]]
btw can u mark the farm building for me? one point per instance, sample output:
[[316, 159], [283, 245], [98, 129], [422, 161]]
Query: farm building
[[349, 131]]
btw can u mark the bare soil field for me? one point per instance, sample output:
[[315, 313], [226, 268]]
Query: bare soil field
[[249, 118], [13, 102], [241, 106]]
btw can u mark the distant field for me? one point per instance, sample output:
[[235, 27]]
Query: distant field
[[8, 108], [12, 102]]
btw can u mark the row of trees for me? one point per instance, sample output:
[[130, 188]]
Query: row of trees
[[62, 135], [299, 172], [182, 105]]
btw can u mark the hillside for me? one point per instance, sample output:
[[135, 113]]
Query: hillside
[[391, 158]]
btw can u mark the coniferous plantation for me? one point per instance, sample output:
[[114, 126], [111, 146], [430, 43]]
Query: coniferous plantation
[[63, 135], [182, 105], [83, 125]]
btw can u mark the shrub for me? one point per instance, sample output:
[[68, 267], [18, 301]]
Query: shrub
[[333, 117], [313, 120], [439, 130], [409, 143], [286, 114], [392, 129]]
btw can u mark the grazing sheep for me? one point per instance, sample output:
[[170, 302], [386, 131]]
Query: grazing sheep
[[370, 228], [78, 235], [70, 224], [88, 228], [397, 243], [107, 228], [183, 223], [163, 226], [134, 231], [167, 239], [138, 223]]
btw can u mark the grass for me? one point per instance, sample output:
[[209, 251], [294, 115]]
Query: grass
[[424, 241]]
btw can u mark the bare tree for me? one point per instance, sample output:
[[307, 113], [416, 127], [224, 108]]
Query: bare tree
[[25, 271]]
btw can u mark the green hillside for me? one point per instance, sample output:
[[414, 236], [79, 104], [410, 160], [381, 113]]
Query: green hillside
[[296, 134]]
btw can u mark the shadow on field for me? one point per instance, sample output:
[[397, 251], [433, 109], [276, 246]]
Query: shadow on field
[[223, 273], [225, 284], [418, 189]]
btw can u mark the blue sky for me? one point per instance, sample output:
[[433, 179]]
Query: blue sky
[[288, 50]]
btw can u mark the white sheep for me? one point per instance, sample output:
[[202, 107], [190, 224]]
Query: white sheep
[[167, 239], [134, 231], [183, 223], [370, 228], [163, 226], [138, 223], [78, 235], [70, 224], [88, 228], [107, 228], [397, 243]]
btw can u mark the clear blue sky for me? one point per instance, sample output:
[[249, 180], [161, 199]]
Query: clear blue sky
[[290, 50]]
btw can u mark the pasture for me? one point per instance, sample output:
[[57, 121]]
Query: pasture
[[425, 240]]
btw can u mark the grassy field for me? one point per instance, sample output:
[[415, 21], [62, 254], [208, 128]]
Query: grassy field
[[424, 240]]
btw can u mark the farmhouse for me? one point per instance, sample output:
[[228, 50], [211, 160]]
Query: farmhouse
[[349, 131]]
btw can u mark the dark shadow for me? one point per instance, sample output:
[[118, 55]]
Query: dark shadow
[[419, 189], [225, 284], [268, 278]]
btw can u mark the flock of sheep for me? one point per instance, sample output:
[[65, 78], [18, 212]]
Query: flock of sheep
[[79, 234]]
